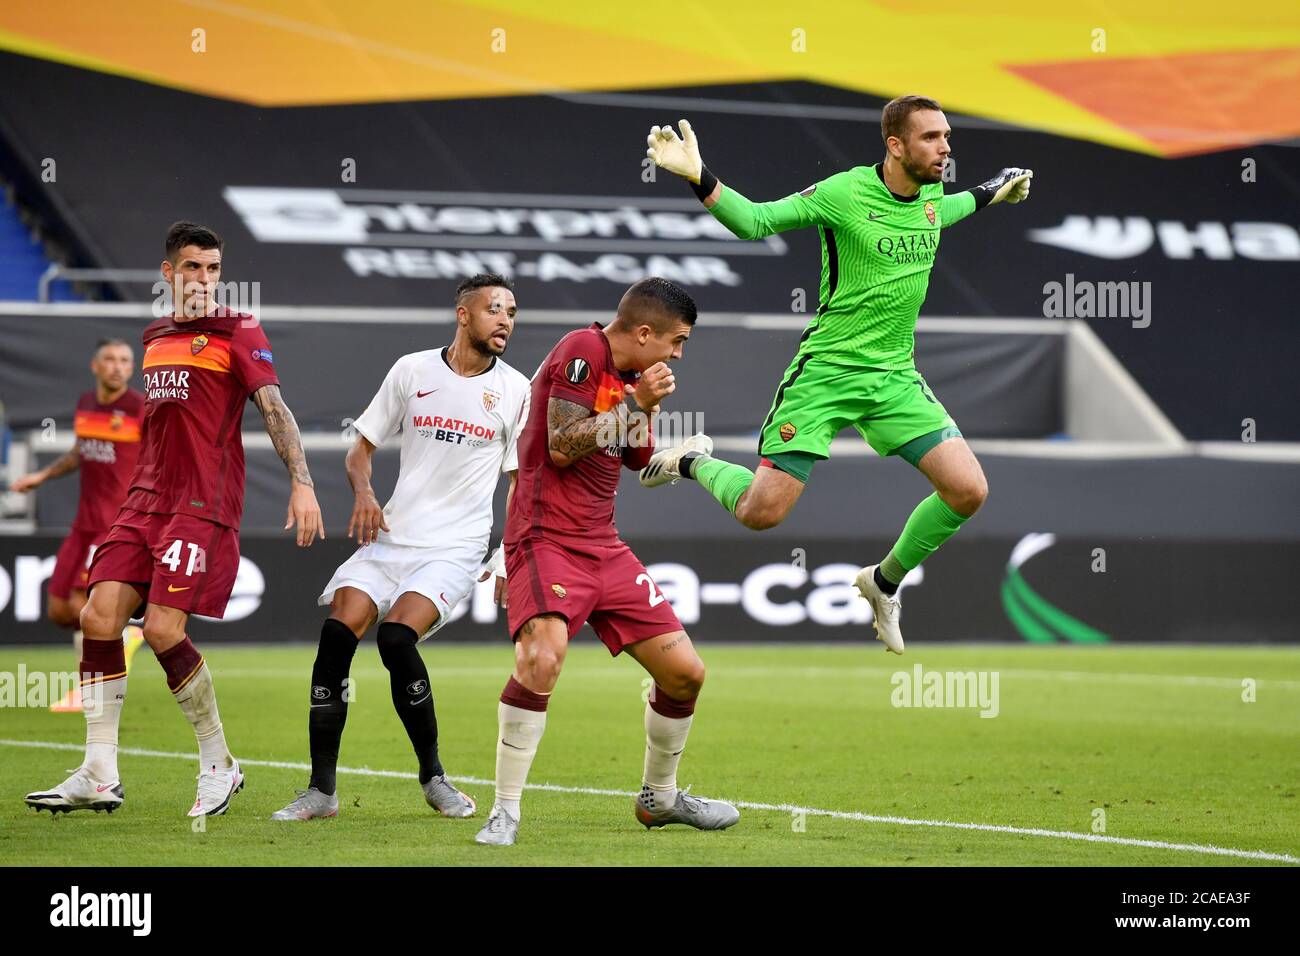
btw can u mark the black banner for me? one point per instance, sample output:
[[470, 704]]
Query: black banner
[[1035, 588]]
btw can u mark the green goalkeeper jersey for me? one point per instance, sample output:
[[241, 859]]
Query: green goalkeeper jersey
[[877, 251]]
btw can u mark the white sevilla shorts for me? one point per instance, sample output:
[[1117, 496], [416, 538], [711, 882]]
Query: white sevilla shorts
[[387, 571]]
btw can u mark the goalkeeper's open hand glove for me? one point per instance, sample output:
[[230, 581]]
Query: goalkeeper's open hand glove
[[677, 155], [1010, 185]]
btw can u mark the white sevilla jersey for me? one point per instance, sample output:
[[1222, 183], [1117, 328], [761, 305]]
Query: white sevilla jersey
[[458, 435]]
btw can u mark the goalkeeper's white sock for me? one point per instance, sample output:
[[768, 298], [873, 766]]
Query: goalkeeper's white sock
[[522, 719], [667, 724]]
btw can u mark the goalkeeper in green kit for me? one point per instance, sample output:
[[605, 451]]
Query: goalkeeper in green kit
[[879, 228]]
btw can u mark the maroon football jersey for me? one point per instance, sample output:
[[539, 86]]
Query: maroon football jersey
[[197, 376], [575, 505], [108, 444]]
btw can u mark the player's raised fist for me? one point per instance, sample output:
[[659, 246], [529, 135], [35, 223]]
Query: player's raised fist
[[677, 155], [656, 383]]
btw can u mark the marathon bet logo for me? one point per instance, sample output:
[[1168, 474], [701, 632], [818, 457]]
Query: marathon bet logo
[[74, 909], [413, 234]]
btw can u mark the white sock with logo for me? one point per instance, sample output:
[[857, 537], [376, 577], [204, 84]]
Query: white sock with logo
[[521, 732], [101, 702], [665, 739], [198, 702]]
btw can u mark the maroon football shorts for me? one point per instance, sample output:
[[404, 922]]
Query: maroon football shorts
[[609, 588], [177, 561], [72, 566]]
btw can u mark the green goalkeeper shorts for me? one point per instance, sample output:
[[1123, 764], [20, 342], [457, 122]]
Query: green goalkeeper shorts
[[893, 409]]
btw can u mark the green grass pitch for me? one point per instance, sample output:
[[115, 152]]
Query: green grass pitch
[[1160, 739]]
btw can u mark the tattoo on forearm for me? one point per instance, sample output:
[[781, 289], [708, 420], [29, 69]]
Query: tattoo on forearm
[[282, 428], [69, 462], [574, 432]]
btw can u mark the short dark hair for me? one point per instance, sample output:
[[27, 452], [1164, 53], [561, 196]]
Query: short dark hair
[[185, 233], [110, 341], [896, 116], [484, 280], [659, 293]]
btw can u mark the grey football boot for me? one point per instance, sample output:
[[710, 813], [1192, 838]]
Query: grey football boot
[[501, 829], [446, 799], [693, 811], [309, 805]]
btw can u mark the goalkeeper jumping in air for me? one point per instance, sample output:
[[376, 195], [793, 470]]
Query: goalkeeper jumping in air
[[879, 227]]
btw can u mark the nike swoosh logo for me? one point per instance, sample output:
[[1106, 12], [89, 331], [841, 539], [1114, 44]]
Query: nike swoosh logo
[[422, 394], [422, 699], [873, 216], [107, 786], [171, 589], [512, 746]]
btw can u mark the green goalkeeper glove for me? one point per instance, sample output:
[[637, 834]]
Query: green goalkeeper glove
[[680, 156]]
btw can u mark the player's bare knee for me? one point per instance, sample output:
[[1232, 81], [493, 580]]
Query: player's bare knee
[[161, 635], [541, 668], [968, 497], [757, 514], [687, 684], [95, 623], [357, 623]]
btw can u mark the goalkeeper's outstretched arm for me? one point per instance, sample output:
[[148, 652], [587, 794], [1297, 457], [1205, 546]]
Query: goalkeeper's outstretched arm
[[822, 204], [815, 206]]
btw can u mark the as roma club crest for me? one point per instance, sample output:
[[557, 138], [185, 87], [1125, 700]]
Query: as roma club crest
[[490, 399], [198, 344], [929, 212], [788, 431], [559, 590], [116, 421]]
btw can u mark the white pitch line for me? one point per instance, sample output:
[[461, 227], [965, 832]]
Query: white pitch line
[[744, 804], [843, 673]]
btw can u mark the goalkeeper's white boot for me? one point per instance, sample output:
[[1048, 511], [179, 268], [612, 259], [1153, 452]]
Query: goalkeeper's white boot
[[81, 791], [216, 787], [885, 609], [665, 466]]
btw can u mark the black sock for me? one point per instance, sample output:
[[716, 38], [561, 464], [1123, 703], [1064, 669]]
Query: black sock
[[412, 695], [687, 464], [329, 701], [889, 587]]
